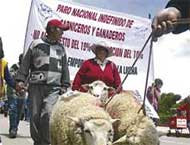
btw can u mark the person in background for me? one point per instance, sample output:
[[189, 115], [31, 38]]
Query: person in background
[[164, 21], [4, 74], [153, 95], [26, 113], [186, 107], [15, 102], [45, 62], [98, 68]]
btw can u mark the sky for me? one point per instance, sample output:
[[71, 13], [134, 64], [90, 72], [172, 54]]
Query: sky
[[171, 52]]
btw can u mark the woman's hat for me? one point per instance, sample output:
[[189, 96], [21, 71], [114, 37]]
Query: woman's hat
[[101, 44]]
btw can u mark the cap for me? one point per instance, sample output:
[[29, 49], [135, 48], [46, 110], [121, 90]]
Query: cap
[[57, 23]]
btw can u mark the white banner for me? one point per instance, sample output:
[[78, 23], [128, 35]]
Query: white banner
[[126, 35], [148, 107]]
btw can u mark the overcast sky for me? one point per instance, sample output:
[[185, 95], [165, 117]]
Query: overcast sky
[[171, 53], [135, 7]]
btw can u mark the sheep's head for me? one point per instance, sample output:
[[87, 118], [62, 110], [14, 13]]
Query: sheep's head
[[95, 131], [99, 89]]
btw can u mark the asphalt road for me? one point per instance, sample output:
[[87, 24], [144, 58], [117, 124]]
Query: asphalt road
[[174, 140], [183, 139], [23, 137]]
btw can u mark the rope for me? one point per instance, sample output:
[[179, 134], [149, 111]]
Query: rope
[[178, 21], [147, 75], [182, 21], [119, 87]]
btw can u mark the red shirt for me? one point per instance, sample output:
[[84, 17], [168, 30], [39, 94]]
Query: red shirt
[[152, 95], [90, 71], [185, 107]]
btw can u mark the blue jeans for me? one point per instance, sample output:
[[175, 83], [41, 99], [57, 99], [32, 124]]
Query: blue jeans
[[26, 109], [15, 105]]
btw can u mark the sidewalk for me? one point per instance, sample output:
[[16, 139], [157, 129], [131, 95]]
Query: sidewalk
[[23, 137]]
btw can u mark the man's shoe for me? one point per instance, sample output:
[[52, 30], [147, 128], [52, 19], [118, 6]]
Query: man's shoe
[[5, 113], [12, 134]]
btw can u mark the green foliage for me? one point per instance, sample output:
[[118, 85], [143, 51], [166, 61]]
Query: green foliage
[[167, 105]]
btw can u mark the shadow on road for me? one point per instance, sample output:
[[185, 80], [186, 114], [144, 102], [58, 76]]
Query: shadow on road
[[178, 135], [18, 136]]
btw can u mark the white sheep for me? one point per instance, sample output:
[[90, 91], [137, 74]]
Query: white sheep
[[79, 121], [134, 128], [99, 89]]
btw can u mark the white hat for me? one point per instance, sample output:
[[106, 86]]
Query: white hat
[[102, 44]]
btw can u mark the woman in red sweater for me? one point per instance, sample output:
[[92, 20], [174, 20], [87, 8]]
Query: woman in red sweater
[[98, 68]]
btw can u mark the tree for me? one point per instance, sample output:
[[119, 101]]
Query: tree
[[166, 103]]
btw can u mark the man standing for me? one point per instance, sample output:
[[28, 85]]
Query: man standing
[[4, 74], [15, 102], [46, 64]]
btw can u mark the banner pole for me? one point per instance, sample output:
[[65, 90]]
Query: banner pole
[[147, 76], [142, 49], [27, 26], [149, 37]]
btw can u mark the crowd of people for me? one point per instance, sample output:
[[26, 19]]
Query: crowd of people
[[12, 103], [42, 74]]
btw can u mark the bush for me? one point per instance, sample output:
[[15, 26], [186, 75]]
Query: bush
[[166, 103]]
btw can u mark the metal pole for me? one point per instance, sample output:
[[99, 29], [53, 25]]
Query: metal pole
[[147, 75], [119, 87]]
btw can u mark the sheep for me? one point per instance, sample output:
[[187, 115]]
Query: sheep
[[99, 89], [134, 128], [80, 121]]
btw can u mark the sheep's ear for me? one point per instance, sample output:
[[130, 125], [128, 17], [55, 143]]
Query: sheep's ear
[[111, 89], [77, 121], [116, 121], [74, 119], [78, 131], [120, 140], [85, 87]]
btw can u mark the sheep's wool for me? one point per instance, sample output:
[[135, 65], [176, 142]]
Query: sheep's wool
[[62, 129], [140, 129]]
